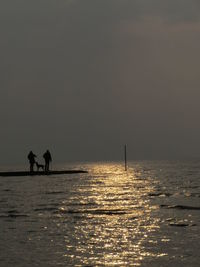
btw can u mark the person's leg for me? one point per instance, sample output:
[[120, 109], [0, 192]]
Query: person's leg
[[31, 167], [47, 166]]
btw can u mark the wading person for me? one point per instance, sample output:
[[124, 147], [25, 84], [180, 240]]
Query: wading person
[[31, 158], [48, 159]]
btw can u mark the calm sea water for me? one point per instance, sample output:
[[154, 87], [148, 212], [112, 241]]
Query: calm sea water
[[147, 216]]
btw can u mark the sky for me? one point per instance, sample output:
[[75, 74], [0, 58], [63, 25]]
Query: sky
[[84, 77]]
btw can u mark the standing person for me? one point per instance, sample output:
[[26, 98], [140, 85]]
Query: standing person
[[31, 158], [48, 159]]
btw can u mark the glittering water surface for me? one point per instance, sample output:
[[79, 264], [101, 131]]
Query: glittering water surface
[[108, 217]]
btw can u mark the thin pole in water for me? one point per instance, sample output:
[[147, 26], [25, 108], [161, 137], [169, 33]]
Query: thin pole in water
[[125, 158]]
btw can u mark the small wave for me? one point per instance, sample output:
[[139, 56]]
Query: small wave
[[17, 215], [54, 192], [13, 211], [45, 209], [180, 207], [97, 212], [3, 216], [80, 204], [52, 204], [179, 224], [12, 215], [116, 199], [159, 194]]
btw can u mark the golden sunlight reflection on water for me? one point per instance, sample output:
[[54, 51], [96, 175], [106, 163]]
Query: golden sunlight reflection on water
[[112, 218]]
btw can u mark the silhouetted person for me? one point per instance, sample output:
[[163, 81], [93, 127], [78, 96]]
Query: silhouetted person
[[31, 158], [48, 159]]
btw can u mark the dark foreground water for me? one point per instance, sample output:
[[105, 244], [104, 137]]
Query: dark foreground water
[[149, 216]]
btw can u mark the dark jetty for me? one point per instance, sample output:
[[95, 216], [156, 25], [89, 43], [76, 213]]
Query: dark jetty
[[36, 173]]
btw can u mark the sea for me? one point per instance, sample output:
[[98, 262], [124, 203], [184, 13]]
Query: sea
[[148, 215]]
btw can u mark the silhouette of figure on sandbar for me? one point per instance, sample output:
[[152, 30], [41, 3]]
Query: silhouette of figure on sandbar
[[48, 159], [31, 158]]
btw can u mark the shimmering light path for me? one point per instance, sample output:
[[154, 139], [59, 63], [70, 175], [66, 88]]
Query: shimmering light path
[[114, 217], [106, 217]]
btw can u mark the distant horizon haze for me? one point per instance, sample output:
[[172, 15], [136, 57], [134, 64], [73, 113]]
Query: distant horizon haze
[[60, 159]]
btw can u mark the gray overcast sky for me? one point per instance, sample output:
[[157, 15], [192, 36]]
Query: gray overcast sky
[[83, 78]]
